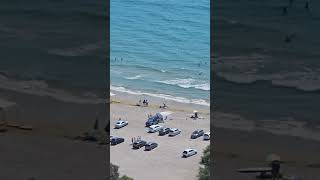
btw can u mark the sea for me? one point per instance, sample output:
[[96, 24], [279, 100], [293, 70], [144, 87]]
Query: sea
[[266, 59], [161, 49], [58, 44]]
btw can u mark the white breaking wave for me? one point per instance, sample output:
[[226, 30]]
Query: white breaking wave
[[188, 83], [41, 88], [163, 96], [134, 77]]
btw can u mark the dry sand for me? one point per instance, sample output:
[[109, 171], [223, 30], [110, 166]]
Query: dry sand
[[165, 161]]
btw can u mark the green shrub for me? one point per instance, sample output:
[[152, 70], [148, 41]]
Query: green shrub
[[125, 178], [114, 174], [204, 171]]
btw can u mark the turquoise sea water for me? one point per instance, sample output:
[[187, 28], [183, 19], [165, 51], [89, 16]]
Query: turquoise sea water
[[161, 48]]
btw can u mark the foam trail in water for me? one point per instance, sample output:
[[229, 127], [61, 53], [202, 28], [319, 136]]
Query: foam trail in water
[[188, 83]]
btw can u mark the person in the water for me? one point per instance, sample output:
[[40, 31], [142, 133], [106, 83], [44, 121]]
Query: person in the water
[[284, 11]]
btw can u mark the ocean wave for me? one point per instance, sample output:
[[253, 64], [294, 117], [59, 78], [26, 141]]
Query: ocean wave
[[141, 67], [64, 13], [134, 77], [41, 88], [188, 83], [298, 80], [259, 67], [76, 51], [162, 96]]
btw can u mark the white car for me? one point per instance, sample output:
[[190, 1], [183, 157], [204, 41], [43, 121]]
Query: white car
[[206, 136], [189, 152], [174, 131], [120, 124], [154, 128]]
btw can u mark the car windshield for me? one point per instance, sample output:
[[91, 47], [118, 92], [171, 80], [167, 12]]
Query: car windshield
[[185, 152]]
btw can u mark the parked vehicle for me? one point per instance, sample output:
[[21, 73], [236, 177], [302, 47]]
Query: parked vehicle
[[138, 144], [206, 136], [174, 132], [196, 134], [116, 140], [153, 120], [163, 131], [154, 128], [120, 124], [150, 145], [189, 152]]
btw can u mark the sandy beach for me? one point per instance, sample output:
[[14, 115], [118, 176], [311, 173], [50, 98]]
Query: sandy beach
[[237, 143], [49, 150], [164, 162]]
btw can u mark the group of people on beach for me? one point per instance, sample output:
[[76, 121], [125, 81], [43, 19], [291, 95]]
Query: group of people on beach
[[144, 102], [115, 59]]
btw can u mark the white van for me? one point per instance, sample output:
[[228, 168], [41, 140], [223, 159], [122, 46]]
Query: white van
[[206, 136], [154, 128]]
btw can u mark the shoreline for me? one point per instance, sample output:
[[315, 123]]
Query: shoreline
[[289, 127], [155, 102], [165, 97]]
